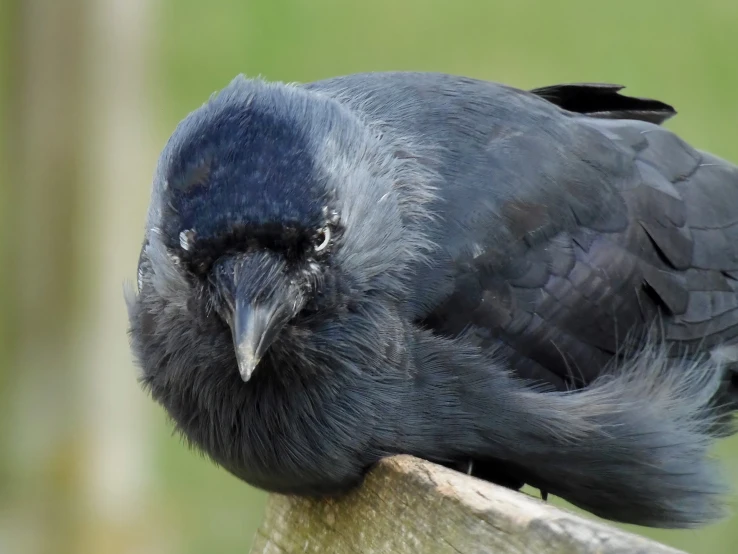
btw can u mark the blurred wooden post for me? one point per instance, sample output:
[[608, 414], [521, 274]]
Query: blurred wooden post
[[44, 110], [408, 506], [79, 149], [119, 163]]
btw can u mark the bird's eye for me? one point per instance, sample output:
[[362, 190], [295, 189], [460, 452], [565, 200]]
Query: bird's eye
[[187, 239], [323, 239]]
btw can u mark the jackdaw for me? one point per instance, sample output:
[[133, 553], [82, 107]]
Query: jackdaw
[[541, 286]]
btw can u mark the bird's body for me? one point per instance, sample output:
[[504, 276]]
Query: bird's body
[[544, 283]]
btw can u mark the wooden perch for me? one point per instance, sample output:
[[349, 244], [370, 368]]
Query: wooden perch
[[408, 506]]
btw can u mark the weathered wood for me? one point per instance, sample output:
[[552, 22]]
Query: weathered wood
[[408, 506]]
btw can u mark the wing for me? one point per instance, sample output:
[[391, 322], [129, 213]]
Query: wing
[[564, 306], [563, 228]]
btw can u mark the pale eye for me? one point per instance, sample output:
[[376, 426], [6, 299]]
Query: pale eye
[[187, 239], [323, 239]]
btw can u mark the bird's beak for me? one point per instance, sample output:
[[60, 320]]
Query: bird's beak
[[254, 328]]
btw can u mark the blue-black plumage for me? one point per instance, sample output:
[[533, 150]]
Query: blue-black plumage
[[542, 283]]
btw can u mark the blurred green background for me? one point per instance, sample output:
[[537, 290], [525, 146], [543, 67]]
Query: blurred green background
[[90, 90]]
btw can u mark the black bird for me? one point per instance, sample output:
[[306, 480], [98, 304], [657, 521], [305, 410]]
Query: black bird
[[539, 285]]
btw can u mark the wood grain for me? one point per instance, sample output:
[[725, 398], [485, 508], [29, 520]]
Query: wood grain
[[409, 506]]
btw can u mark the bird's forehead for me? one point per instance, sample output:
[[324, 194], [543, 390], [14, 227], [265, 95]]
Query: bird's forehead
[[245, 161]]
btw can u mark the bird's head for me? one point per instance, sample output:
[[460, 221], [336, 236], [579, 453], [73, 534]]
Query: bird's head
[[275, 212]]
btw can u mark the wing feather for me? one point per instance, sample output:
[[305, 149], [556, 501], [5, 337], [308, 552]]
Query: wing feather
[[569, 219]]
